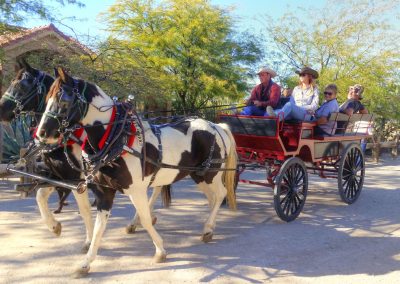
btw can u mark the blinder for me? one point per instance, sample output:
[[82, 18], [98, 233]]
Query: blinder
[[69, 102]]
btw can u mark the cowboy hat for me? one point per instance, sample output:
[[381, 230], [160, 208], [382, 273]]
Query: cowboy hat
[[308, 70], [267, 70]]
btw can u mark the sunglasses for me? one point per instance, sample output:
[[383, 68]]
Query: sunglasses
[[328, 93], [302, 75]]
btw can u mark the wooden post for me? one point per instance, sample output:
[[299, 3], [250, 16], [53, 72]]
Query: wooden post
[[376, 150], [29, 167], [395, 148]]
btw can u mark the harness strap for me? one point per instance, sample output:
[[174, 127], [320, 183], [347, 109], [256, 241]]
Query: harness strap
[[157, 133]]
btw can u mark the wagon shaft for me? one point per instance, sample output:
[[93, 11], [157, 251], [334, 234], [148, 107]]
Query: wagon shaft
[[44, 179]]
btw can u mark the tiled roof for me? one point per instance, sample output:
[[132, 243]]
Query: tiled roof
[[24, 34]]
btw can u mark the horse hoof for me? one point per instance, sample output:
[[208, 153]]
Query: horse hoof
[[58, 211], [130, 229], [57, 229], [207, 237], [81, 272], [158, 258], [154, 220], [85, 248]]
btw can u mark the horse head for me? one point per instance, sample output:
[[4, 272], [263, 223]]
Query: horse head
[[26, 92], [70, 101]]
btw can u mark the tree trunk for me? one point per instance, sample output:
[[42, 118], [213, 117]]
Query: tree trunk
[[395, 149], [376, 150]]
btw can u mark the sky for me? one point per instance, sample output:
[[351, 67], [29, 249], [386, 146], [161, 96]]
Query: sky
[[249, 13]]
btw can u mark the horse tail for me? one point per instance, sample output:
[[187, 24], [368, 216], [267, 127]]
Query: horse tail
[[229, 175], [166, 195]]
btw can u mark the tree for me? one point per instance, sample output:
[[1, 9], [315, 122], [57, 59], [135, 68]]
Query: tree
[[189, 46], [14, 12], [348, 42]]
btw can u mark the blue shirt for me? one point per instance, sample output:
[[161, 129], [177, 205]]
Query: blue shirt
[[325, 110]]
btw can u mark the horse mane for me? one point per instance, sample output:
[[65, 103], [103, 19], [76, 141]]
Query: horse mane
[[90, 89], [19, 74], [53, 89]]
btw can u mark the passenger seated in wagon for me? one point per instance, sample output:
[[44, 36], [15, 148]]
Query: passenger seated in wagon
[[304, 99], [353, 103], [263, 95], [351, 106], [326, 127]]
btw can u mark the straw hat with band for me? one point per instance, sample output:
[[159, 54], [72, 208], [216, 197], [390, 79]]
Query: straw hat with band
[[267, 70], [308, 70]]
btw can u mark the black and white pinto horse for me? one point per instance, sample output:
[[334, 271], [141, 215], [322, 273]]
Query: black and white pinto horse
[[157, 157], [27, 93]]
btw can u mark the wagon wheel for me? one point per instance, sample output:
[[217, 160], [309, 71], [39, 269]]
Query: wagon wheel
[[290, 190], [351, 173]]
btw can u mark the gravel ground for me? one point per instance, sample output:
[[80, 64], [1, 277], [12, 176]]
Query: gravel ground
[[330, 242]]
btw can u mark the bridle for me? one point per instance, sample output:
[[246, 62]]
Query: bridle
[[70, 106], [38, 89]]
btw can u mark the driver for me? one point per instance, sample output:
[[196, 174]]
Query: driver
[[267, 93]]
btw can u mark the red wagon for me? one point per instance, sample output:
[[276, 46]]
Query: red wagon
[[288, 151]]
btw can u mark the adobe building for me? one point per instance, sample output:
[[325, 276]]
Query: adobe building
[[24, 41], [18, 44]]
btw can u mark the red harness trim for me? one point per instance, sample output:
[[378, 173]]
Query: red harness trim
[[131, 138], [78, 134], [108, 130]]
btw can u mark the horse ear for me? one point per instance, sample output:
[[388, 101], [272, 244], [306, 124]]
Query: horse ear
[[23, 64], [65, 78], [56, 74]]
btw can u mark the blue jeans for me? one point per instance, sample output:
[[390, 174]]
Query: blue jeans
[[252, 110], [292, 111], [363, 145]]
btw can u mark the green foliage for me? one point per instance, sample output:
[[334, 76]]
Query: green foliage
[[348, 42], [15, 11], [15, 135], [189, 47]]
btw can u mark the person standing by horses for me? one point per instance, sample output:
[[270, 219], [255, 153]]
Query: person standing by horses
[[265, 94]]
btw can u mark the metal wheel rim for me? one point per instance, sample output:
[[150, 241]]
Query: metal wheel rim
[[291, 191], [351, 176]]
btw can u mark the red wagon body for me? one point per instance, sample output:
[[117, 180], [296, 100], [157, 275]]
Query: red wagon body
[[288, 151]]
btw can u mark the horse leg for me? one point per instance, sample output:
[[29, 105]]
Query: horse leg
[[82, 199], [218, 191], [42, 198], [62, 196], [104, 202], [207, 192], [131, 228], [139, 199]]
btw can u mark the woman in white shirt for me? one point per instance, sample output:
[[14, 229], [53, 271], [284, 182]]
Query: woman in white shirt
[[304, 99]]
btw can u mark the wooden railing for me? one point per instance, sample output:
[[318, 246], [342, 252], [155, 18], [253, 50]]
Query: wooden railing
[[378, 146]]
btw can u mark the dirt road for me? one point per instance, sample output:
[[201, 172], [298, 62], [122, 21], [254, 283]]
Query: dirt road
[[330, 242]]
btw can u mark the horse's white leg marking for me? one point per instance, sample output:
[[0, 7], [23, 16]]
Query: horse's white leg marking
[[130, 229], [139, 199], [219, 192], [84, 209], [207, 190], [99, 227], [42, 198]]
